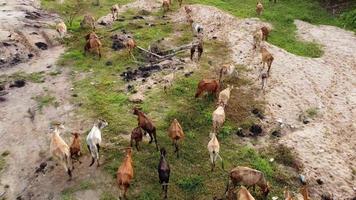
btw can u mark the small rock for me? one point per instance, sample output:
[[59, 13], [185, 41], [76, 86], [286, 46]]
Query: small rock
[[319, 181], [136, 98], [302, 179], [41, 45], [274, 198], [271, 160]]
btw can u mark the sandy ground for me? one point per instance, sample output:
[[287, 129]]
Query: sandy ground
[[327, 145]]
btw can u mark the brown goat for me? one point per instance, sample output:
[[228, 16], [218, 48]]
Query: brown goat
[[92, 44], [248, 177], [75, 147], [197, 47], [304, 191], [175, 132], [88, 21], [188, 10], [125, 173], [208, 85], [166, 5], [130, 44], [259, 8], [266, 58], [265, 33], [136, 135], [146, 125]]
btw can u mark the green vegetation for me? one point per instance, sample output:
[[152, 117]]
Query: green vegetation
[[35, 77], [45, 100], [2, 160], [68, 194], [312, 112]]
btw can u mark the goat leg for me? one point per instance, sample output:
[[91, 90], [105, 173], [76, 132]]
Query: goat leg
[[92, 161], [137, 145]]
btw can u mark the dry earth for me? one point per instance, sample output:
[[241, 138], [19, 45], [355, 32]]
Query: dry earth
[[326, 146]]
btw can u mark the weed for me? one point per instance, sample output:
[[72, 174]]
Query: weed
[[45, 100], [312, 112]]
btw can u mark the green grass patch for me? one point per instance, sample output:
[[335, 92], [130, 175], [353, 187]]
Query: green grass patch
[[35, 77], [45, 100], [312, 112]]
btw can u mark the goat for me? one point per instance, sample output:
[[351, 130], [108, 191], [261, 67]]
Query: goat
[[248, 177], [61, 28], [168, 80], [257, 39], [214, 148], [244, 194], [92, 44], [175, 132], [115, 12], [218, 117], [180, 3], [259, 8], [227, 70], [60, 150], [130, 44], [188, 10], [208, 85], [75, 147], [88, 21], [136, 135], [166, 5], [125, 173], [287, 195], [146, 125], [264, 80], [267, 57], [265, 33], [94, 140], [224, 95], [197, 28], [197, 47], [304, 191], [164, 172]]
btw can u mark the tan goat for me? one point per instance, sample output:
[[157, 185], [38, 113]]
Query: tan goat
[[130, 44], [257, 39], [267, 57], [224, 95], [60, 150], [61, 28], [125, 173], [259, 8], [287, 195], [249, 177], [88, 21], [214, 149], [227, 70], [304, 191], [218, 118], [244, 194], [175, 132], [92, 44], [115, 12]]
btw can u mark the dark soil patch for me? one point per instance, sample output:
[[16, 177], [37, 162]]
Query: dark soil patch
[[41, 45], [141, 72]]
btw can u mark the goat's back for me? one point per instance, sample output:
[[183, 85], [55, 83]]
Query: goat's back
[[246, 176], [244, 194]]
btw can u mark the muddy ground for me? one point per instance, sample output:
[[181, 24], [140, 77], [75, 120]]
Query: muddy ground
[[326, 145]]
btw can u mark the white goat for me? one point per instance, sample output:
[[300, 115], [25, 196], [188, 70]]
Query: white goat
[[214, 148], [60, 150], [224, 95], [94, 140], [61, 29], [168, 81], [218, 118]]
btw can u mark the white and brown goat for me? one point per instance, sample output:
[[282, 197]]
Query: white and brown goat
[[94, 140]]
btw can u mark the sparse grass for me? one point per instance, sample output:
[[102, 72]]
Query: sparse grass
[[2, 163], [35, 77], [282, 15], [312, 112], [68, 193], [101, 94], [45, 100]]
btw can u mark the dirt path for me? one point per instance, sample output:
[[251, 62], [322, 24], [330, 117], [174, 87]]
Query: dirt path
[[327, 145]]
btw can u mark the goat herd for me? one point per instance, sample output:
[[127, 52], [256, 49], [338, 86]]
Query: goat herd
[[237, 176]]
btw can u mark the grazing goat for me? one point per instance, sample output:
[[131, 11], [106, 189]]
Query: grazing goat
[[75, 147], [214, 148], [125, 173], [147, 125], [264, 80], [164, 172], [188, 10], [166, 5], [266, 58], [304, 191], [115, 12], [61, 29], [197, 28], [130, 44], [92, 44], [88, 21], [197, 47], [227, 70], [287, 195], [168, 81], [218, 117], [94, 140], [257, 39], [224, 95], [244, 194], [175, 132], [248, 177], [259, 8], [60, 150], [136, 135], [208, 85], [265, 33]]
